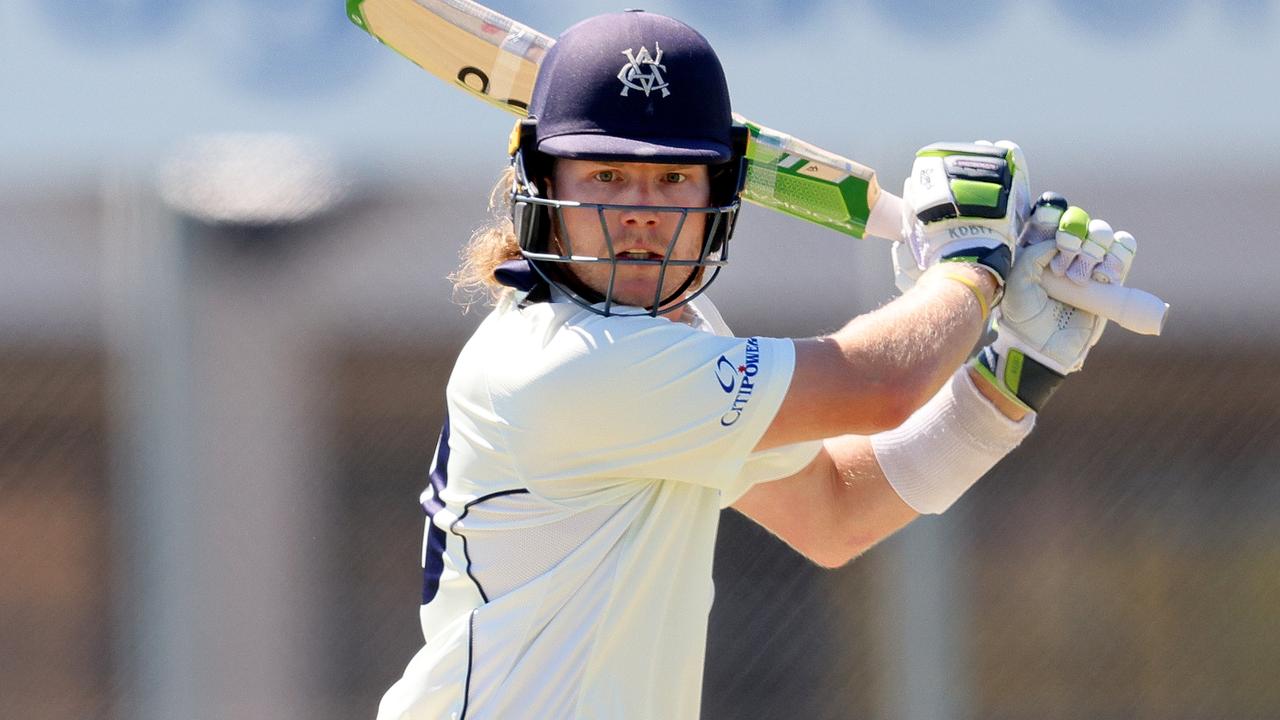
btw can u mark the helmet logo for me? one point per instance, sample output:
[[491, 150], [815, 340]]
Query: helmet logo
[[633, 75]]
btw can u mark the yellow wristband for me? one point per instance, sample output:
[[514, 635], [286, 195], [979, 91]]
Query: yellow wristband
[[977, 292]]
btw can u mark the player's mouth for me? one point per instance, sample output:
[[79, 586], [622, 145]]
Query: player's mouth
[[639, 255]]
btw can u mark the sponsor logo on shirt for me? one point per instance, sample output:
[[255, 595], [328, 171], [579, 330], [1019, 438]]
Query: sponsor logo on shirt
[[727, 374], [738, 381]]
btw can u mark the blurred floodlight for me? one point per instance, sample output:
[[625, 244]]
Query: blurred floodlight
[[255, 180]]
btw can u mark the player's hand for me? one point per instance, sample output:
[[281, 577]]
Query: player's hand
[[962, 202], [1041, 340]]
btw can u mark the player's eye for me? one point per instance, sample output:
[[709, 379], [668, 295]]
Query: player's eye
[[605, 176], [676, 177]]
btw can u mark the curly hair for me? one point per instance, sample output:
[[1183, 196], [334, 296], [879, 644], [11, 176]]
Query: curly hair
[[491, 244]]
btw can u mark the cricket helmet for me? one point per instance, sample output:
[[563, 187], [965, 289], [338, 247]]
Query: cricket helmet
[[627, 87]]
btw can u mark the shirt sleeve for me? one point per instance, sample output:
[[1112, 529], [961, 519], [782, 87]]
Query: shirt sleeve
[[617, 400], [772, 464]]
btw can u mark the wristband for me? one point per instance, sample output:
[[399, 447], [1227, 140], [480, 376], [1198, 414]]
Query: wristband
[[977, 292], [947, 445]]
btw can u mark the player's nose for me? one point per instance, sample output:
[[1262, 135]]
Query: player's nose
[[639, 218], [638, 215]]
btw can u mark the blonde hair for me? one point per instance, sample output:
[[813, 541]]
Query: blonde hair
[[491, 244]]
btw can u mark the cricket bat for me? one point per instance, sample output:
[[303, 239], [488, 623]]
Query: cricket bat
[[496, 59]]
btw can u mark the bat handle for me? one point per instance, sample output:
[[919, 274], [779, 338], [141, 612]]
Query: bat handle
[[1132, 309], [885, 218]]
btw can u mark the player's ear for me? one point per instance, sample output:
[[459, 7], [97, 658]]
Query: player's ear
[[549, 182]]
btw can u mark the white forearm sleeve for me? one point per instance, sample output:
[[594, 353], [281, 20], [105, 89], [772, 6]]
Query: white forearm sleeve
[[946, 445]]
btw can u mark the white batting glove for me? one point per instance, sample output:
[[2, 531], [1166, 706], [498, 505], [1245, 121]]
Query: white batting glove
[[962, 202], [1041, 340]]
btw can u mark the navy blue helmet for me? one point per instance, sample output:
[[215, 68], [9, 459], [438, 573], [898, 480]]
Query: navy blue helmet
[[627, 87]]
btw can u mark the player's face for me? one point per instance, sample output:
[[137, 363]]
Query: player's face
[[636, 233]]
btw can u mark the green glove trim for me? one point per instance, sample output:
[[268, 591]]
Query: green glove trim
[[970, 192], [1013, 369], [1075, 221], [1021, 379]]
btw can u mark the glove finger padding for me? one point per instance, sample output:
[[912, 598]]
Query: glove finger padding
[[1073, 228], [1114, 268], [1043, 219], [1093, 250]]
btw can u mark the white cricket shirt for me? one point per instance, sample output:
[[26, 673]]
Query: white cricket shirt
[[573, 509]]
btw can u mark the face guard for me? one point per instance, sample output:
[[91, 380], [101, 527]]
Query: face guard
[[537, 218], [544, 262]]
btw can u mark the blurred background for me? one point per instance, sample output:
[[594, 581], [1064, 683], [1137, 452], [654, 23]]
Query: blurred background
[[225, 329]]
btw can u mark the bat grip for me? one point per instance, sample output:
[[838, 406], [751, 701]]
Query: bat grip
[[885, 219], [1132, 309]]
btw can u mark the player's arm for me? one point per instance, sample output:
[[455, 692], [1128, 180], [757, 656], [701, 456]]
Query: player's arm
[[834, 509], [876, 370], [849, 498], [859, 490], [965, 205]]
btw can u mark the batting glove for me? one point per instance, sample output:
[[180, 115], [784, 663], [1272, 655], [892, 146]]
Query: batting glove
[[1041, 340], [962, 202]]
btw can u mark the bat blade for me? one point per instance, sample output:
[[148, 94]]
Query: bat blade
[[496, 59], [463, 43]]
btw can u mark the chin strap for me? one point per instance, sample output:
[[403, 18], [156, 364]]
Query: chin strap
[[520, 276]]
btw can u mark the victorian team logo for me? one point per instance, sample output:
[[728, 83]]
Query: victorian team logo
[[643, 72]]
